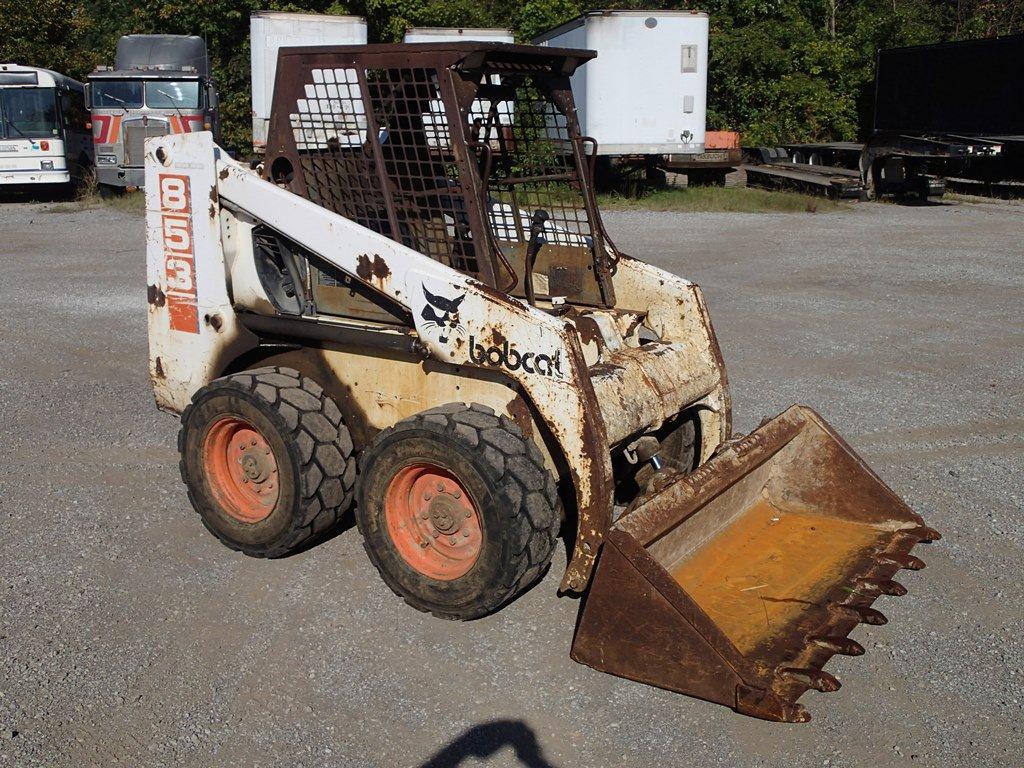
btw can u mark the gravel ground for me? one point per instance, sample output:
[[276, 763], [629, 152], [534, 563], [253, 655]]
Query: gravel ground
[[129, 636]]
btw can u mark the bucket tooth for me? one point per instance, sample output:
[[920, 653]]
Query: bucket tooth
[[840, 645], [924, 533], [817, 679], [864, 615], [874, 587], [906, 562]]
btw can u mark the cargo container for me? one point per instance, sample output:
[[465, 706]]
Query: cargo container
[[270, 31], [646, 92], [968, 88], [456, 34]]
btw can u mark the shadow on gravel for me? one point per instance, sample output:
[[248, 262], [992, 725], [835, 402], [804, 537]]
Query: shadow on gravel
[[484, 740], [44, 194]]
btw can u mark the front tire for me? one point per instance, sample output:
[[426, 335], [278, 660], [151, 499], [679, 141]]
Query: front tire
[[267, 461], [457, 511]]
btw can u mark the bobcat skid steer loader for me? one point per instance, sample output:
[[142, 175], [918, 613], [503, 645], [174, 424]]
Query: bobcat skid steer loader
[[415, 307]]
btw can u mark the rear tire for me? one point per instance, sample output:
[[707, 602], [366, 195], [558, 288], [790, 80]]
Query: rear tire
[[457, 511], [266, 459]]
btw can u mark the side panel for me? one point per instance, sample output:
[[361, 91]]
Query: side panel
[[192, 326], [676, 312]]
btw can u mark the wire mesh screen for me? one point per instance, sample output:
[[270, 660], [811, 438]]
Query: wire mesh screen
[[375, 147], [455, 165], [532, 166]]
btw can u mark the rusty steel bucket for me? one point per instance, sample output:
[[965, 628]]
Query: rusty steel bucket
[[738, 582]]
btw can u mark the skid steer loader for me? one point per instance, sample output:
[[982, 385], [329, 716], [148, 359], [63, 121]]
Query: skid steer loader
[[414, 306]]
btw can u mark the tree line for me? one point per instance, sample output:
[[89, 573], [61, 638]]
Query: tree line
[[780, 70]]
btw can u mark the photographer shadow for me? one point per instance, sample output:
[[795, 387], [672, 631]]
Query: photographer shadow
[[484, 740]]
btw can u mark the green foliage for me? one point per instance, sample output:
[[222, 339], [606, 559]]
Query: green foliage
[[793, 70]]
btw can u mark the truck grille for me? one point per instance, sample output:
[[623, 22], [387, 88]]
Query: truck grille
[[135, 135]]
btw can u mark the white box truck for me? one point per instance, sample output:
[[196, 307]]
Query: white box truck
[[646, 92], [271, 30]]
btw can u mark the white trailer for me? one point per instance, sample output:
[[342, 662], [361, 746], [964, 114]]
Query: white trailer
[[437, 131], [456, 34], [646, 92], [271, 30]]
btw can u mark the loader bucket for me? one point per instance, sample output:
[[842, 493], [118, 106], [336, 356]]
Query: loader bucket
[[738, 582]]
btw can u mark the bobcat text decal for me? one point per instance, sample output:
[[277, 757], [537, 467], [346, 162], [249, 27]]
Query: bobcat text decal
[[512, 360], [179, 259]]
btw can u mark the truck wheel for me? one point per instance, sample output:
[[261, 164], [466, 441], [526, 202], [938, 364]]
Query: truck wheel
[[457, 510], [266, 459]]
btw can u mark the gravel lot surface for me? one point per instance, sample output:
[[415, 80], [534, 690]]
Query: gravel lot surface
[[130, 636]]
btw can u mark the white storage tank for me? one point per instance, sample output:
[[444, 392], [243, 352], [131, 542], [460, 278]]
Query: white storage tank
[[646, 92], [271, 30], [455, 34]]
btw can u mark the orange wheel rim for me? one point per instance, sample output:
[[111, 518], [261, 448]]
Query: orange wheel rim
[[433, 522], [241, 469]]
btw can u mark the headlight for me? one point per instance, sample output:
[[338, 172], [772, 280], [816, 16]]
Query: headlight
[[106, 160], [46, 165]]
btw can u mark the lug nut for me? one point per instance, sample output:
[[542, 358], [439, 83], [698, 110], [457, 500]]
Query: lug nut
[[440, 487], [457, 495], [465, 534], [435, 534], [253, 443], [426, 496], [452, 541], [425, 516]]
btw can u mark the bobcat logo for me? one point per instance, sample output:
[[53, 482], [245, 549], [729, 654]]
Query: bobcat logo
[[443, 314]]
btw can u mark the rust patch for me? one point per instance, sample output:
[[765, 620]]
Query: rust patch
[[159, 368], [497, 337], [376, 268], [589, 331], [155, 296], [223, 174], [519, 411]]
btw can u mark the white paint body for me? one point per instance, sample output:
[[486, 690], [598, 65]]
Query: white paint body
[[646, 92], [270, 31]]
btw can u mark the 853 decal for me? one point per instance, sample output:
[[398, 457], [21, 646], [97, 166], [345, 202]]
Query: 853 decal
[[179, 257]]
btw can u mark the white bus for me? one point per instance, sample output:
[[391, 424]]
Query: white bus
[[45, 137]]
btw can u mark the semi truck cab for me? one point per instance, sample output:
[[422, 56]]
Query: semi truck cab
[[160, 84]]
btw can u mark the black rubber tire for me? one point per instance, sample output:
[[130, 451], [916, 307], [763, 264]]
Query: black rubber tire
[[512, 490], [309, 440]]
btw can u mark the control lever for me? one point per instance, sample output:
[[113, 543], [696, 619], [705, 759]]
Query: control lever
[[540, 218]]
